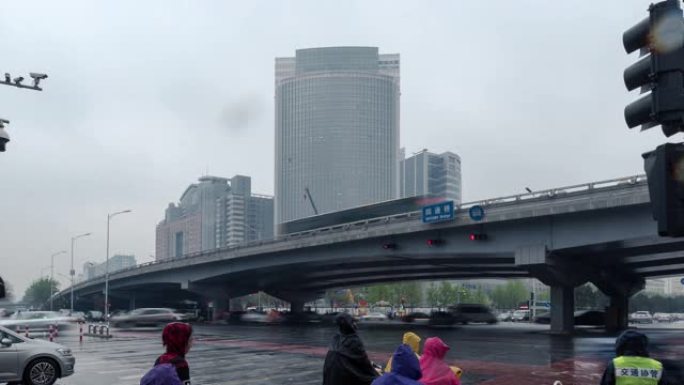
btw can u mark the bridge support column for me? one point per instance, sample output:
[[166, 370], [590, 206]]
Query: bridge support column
[[131, 302], [618, 286], [297, 307], [235, 304], [562, 309], [617, 313]]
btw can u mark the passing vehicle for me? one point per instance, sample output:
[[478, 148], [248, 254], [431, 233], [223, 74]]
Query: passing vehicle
[[37, 321], [417, 317], [32, 362], [472, 313], [581, 317], [663, 317], [374, 316], [520, 316], [505, 316], [153, 317], [254, 316], [641, 317], [441, 318], [94, 316]]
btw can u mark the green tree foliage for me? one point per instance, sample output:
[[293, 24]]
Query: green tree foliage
[[509, 295], [38, 293], [441, 294], [394, 293], [656, 303], [588, 296]]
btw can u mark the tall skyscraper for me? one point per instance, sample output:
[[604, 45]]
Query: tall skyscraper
[[425, 173], [337, 130], [215, 212]]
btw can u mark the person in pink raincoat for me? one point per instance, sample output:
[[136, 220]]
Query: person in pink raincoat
[[435, 370]]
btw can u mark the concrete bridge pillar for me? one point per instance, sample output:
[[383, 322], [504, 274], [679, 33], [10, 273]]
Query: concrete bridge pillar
[[131, 302], [617, 313], [297, 307], [562, 309], [618, 286]]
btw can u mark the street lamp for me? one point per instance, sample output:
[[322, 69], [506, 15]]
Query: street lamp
[[52, 272], [106, 301], [72, 272]]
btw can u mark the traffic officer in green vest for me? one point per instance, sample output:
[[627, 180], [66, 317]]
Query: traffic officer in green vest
[[632, 365]]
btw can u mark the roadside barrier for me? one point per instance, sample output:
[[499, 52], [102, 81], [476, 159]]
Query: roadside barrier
[[98, 330]]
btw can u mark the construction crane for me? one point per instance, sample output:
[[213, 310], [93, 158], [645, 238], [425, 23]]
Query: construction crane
[[308, 195]]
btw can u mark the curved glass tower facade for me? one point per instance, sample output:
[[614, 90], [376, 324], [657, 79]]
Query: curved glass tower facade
[[337, 130]]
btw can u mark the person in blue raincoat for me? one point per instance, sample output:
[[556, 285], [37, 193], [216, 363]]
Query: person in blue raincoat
[[405, 368]]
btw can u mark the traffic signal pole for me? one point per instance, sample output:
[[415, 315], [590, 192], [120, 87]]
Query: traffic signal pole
[[661, 72]]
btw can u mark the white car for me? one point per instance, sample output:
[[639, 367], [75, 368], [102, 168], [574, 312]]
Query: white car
[[374, 316], [36, 321], [662, 317], [520, 316], [641, 317]]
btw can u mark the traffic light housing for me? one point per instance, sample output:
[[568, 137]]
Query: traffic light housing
[[661, 72], [665, 171], [477, 237], [435, 242]]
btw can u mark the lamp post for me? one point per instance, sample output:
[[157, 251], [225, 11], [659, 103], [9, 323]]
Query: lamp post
[[106, 301], [72, 272], [52, 273]]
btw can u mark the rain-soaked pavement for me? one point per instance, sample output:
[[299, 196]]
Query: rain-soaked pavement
[[519, 354]]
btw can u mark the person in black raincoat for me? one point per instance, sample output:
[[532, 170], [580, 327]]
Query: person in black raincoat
[[347, 362]]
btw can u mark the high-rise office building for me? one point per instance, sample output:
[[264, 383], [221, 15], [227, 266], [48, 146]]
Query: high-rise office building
[[116, 263], [215, 212], [425, 173], [337, 129]]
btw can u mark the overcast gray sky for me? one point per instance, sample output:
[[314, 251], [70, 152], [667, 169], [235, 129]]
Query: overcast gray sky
[[146, 96]]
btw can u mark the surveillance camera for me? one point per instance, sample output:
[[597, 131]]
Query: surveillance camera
[[4, 137], [18, 80], [37, 77]]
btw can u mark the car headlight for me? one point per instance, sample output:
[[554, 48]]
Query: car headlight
[[64, 351]]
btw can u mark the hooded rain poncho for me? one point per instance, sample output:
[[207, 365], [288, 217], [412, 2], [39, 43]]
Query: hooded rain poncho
[[435, 370], [406, 368], [347, 362]]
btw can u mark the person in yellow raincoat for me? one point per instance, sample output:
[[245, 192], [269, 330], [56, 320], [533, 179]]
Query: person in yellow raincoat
[[413, 340]]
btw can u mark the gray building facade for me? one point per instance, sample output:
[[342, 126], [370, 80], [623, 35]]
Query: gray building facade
[[116, 263], [425, 173], [337, 130], [215, 212]]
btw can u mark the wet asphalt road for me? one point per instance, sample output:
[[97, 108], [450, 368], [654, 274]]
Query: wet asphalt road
[[242, 354]]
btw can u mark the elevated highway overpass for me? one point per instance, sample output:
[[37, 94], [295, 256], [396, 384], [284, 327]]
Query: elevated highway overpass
[[600, 232]]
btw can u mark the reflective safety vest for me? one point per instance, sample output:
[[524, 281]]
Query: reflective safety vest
[[633, 370]]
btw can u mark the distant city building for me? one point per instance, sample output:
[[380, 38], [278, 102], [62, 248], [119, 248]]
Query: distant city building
[[337, 130], [425, 173], [215, 212], [116, 263], [656, 286], [674, 286]]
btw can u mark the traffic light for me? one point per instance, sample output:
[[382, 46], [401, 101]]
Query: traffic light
[[665, 171], [662, 71], [435, 242], [389, 246], [477, 237]]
